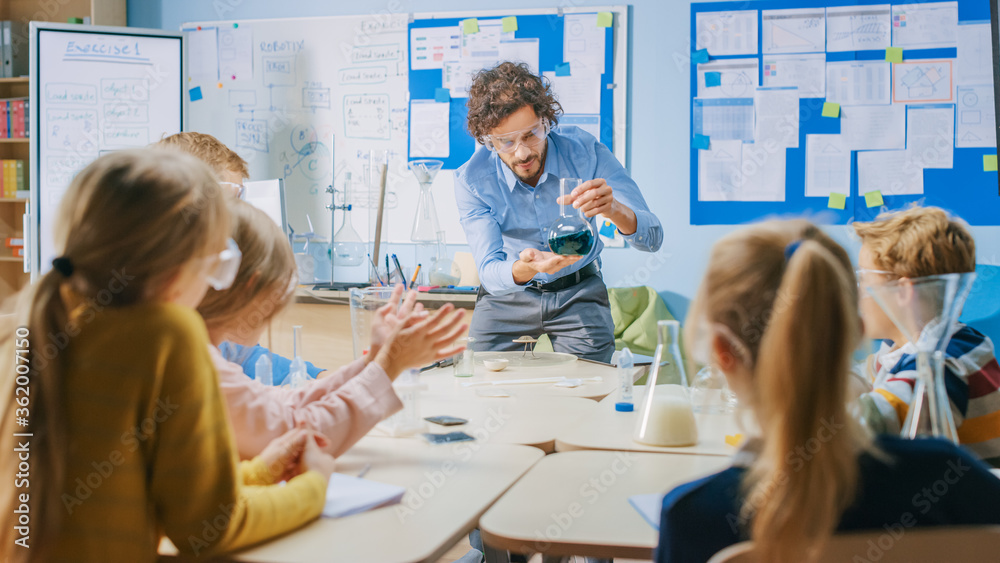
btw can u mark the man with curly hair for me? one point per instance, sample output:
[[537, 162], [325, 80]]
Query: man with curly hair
[[508, 195]]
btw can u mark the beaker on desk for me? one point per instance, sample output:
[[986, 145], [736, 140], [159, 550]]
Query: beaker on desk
[[348, 247], [571, 234], [666, 417]]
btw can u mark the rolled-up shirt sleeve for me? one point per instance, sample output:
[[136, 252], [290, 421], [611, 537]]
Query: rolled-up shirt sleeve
[[648, 235], [485, 239]]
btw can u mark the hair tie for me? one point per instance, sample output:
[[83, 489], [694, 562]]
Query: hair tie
[[63, 265], [791, 248]]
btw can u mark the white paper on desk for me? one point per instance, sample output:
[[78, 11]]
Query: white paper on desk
[[858, 28], [828, 165], [203, 54], [346, 495], [805, 72], [429, 129], [799, 30], [930, 134], [577, 93], [925, 26], [891, 172], [648, 506], [739, 78], [858, 82], [236, 53], [431, 47], [583, 43], [777, 116], [521, 51], [762, 172], [874, 128], [923, 81], [719, 170], [457, 75], [727, 33], [976, 120], [975, 53], [724, 119]]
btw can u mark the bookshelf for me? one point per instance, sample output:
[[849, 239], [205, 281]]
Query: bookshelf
[[100, 12]]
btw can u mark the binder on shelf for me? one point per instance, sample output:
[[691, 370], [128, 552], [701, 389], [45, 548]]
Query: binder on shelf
[[6, 50], [4, 119]]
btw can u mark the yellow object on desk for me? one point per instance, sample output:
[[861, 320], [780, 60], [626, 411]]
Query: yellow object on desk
[[734, 440]]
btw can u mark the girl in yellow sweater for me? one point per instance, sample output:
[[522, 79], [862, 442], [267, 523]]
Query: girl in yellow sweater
[[127, 429]]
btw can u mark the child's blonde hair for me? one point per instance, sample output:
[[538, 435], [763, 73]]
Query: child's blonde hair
[[917, 242], [209, 150], [793, 323], [128, 224], [267, 268]]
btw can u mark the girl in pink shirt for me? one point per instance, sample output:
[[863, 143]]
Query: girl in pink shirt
[[343, 406]]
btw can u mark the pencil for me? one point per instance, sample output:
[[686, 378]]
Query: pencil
[[413, 280]]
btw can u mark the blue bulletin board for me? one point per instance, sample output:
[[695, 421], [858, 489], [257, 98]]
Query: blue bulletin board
[[424, 84], [965, 188]]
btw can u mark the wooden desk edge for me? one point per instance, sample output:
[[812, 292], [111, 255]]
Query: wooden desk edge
[[562, 446], [563, 549]]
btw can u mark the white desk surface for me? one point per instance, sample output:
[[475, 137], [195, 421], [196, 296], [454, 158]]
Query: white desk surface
[[576, 503], [448, 488], [442, 382], [525, 421], [607, 429]]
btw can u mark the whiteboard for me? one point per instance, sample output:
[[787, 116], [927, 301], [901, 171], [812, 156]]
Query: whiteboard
[[342, 78], [94, 90]]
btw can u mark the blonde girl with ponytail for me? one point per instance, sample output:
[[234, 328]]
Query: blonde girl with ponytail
[[777, 312], [127, 433]]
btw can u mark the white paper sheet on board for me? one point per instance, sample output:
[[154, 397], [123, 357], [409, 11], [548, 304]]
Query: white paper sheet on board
[[874, 128], [975, 53], [762, 173], [577, 93], [719, 171], [805, 72], [739, 78], [724, 119], [727, 33], [858, 28], [932, 25], [203, 55], [799, 30], [890, 172], [923, 81], [521, 51], [484, 44], [828, 166], [591, 123], [930, 134], [975, 122], [236, 53], [431, 47], [583, 43], [457, 75], [858, 82], [429, 129], [777, 116]]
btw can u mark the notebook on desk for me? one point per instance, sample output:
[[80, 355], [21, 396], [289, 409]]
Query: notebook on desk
[[649, 507], [346, 495]]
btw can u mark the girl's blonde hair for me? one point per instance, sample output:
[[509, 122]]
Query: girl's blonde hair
[[267, 269], [794, 324], [128, 224]]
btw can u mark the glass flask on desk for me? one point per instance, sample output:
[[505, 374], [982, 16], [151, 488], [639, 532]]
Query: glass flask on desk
[[666, 417], [444, 270], [926, 311], [348, 248], [571, 234], [425, 224]]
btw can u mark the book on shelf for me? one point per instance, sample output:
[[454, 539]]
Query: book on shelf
[[12, 178], [14, 120]]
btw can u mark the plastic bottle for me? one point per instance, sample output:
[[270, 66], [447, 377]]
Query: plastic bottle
[[263, 370], [626, 365]]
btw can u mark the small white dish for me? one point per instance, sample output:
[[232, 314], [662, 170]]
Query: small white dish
[[495, 365]]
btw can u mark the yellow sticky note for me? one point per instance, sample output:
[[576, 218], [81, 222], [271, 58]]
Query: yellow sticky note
[[605, 19], [874, 199], [509, 24], [989, 163], [894, 54], [734, 440], [831, 109], [470, 25], [837, 201]]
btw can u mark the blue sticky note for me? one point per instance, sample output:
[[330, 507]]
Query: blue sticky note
[[195, 93], [562, 69], [442, 95], [700, 56], [701, 142], [713, 79]]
